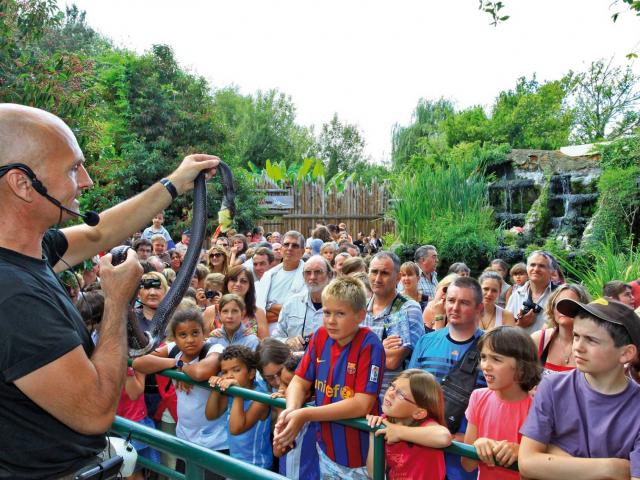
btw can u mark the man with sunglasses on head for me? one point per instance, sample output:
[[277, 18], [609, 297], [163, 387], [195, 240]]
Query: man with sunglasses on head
[[284, 280], [59, 393]]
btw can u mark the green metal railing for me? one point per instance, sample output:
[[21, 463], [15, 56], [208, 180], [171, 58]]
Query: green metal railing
[[233, 468]]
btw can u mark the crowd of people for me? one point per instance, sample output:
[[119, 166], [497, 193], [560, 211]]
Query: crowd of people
[[345, 325], [534, 372]]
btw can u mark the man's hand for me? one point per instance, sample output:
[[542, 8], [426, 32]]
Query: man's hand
[[296, 344], [392, 342], [183, 177], [527, 319], [120, 283]]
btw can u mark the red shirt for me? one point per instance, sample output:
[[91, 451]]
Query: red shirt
[[134, 410], [408, 461]]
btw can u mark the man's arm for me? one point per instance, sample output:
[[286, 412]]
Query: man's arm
[[122, 220], [536, 461], [80, 392]]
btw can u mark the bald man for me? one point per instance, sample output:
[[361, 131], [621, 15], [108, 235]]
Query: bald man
[[58, 394]]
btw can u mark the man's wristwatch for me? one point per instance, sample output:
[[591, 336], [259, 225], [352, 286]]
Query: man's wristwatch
[[179, 363], [171, 188]]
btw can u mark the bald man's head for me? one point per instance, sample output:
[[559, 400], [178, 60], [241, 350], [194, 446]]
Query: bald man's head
[[31, 136]]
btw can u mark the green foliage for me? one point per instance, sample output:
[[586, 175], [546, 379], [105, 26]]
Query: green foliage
[[533, 115], [539, 214], [452, 212], [618, 205], [606, 262], [283, 175], [606, 101], [424, 137], [341, 146], [622, 153], [471, 125]]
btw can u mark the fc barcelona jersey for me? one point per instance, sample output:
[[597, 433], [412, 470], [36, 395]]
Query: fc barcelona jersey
[[338, 373]]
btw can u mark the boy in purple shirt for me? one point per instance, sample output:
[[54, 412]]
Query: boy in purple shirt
[[585, 424]]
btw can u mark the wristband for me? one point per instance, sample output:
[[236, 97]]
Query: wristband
[[438, 318], [171, 188]]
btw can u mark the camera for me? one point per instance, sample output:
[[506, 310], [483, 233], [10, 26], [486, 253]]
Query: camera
[[211, 294], [305, 341], [528, 305]]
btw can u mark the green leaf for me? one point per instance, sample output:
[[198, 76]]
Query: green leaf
[[253, 167], [318, 169]]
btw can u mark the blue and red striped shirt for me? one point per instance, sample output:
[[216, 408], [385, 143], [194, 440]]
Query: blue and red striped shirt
[[339, 373]]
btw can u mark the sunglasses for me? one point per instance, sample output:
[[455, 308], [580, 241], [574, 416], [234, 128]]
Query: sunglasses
[[150, 283], [216, 255]]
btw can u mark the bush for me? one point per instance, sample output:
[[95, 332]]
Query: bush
[[617, 208]]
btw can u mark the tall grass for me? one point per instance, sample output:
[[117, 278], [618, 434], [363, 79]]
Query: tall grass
[[606, 262], [446, 206], [438, 195]]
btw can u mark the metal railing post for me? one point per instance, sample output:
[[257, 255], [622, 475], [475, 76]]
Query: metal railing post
[[378, 458]]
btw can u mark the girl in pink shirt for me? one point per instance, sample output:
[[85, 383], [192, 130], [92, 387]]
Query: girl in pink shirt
[[509, 363], [414, 428]]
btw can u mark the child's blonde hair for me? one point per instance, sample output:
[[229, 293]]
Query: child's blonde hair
[[427, 394], [346, 289], [214, 281]]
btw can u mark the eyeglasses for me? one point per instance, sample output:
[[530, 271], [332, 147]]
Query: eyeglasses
[[290, 245], [271, 378], [400, 394]]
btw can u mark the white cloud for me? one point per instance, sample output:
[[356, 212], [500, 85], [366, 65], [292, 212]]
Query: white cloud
[[369, 61]]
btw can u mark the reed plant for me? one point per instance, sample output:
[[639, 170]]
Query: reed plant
[[605, 262], [447, 206]]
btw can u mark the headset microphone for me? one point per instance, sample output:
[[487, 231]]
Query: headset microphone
[[91, 218]]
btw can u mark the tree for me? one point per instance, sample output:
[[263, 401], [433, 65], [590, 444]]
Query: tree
[[424, 136], [533, 115], [269, 131], [340, 146], [470, 125], [606, 100]]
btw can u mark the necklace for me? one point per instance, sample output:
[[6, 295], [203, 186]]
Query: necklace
[[487, 326]]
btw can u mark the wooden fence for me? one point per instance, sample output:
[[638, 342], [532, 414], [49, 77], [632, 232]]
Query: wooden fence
[[361, 207]]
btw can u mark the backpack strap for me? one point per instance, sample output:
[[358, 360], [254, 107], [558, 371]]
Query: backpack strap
[[173, 353], [205, 350]]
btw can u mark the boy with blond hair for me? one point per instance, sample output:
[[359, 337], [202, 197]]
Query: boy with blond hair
[[345, 363]]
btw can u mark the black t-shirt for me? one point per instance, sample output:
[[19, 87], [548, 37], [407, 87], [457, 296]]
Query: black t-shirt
[[38, 324]]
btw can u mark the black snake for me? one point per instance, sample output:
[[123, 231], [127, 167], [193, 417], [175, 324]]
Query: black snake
[[143, 342]]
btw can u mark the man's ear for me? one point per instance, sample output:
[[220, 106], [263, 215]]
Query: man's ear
[[20, 185]]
